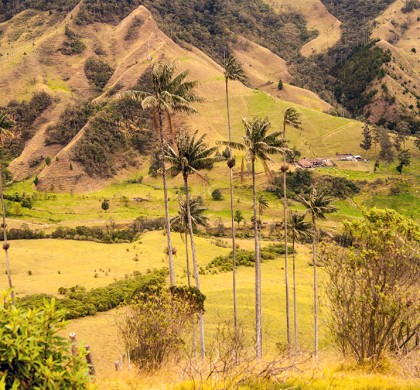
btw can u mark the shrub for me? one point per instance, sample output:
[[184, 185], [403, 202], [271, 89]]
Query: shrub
[[157, 322], [280, 85], [216, 194], [372, 287], [33, 355]]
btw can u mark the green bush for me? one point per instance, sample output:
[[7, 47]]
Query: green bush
[[216, 194], [280, 85], [32, 354]]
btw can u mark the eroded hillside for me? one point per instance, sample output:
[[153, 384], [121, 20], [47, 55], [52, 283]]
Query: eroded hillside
[[77, 63]]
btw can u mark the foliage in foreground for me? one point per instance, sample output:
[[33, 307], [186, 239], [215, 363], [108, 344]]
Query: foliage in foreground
[[372, 286], [32, 354]]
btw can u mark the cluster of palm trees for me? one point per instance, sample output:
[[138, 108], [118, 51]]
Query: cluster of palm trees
[[188, 154]]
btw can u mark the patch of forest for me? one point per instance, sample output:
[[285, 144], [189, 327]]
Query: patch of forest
[[10, 8], [212, 26]]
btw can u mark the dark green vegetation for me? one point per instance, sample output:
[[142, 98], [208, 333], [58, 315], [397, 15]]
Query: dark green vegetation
[[71, 121], [300, 182], [98, 72], [110, 11], [119, 129], [32, 354], [212, 25], [10, 8], [78, 302], [244, 258], [24, 115], [354, 76]]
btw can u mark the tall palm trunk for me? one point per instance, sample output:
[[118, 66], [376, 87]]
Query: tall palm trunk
[[258, 310], [232, 211], [165, 195], [187, 259], [295, 321], [195, 265], [5, 243], [286, 259], [315, 287]]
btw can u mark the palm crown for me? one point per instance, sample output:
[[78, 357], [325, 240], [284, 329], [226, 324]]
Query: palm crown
[[318, 203], [189, 155], [298, 228], [256, 142], [197, 210], [233, 69]]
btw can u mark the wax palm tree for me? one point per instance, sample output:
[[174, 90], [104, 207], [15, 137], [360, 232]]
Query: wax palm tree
[[169, 93], [298, 229], [198, 218], [189, 156], [233, 71], [290, 118], [258, 146], [317, 204]]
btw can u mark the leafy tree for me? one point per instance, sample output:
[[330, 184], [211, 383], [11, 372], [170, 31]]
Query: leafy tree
[[386, 154], [170, 93], [33, 355], [280, 85], [404, 159], [188, 156], [290, 118], [367, 138], [372, 286], [233, 72], [239, 217], [317, 204], [298, 230], [259, 145]]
